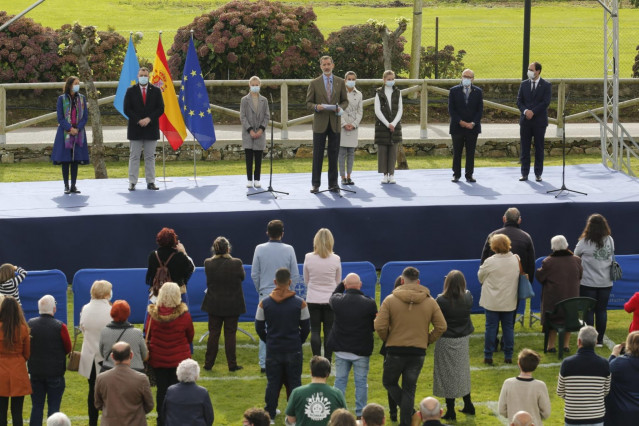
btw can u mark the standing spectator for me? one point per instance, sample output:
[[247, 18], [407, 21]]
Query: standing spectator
[[314, 403], [596, 249], [525, 393], [123, 394], [9, 281], [254, 115], [94, 316], [50, 343], [522, 418], [172, 254], [465, 107], [622, 403], [256, 417], [373, 415], [410, 310], [15, 348], [121, 330], [350, 124], [392, 405], [170, 333], [282, 322], [223, 301], [58, 419], [430, 411], [499, 276], [326, 97], [342, 417], [267, 259], [632, 306], [584, 381], [388, 128], [70, 147], [186, 403], [322, 273], [143, 105], [559, 275], [451, 370], [352, 337]]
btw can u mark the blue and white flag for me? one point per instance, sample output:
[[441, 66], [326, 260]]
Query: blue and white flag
[[128, 76]]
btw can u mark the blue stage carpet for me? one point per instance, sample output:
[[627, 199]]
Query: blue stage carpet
[[423, 217]]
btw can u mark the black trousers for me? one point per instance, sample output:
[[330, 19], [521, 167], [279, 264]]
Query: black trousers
[[321, 315], [319, 143], [250, 154], [528, 131], [16, 409], [164, 378], [65, 173], [466, 140], [93, 412]]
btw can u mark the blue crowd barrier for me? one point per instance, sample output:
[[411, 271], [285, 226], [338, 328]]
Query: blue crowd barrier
[[37, 284]]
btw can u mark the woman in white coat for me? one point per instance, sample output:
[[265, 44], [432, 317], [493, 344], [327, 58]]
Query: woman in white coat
[[94, 316], [254, 115], [350, 124]]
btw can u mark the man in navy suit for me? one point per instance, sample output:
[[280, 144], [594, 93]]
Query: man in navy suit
[[465, 106], [533, 100]]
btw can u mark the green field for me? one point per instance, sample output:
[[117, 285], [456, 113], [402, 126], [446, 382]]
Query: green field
[[566, 37]]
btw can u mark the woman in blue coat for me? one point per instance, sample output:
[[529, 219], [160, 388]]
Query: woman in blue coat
[[70, 145]]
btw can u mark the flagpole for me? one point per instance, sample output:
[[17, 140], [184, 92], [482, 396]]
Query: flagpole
[[194, 178]]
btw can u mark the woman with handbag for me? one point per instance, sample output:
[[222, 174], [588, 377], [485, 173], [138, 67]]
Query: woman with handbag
[[596, 249], [172, 254], [94, 316], [121, 330]]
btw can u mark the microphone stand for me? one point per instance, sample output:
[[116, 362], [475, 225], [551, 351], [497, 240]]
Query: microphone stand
[[270, 181], [563, 171]]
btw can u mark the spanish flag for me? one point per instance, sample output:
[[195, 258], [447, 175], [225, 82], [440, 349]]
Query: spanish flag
[[171, 122]]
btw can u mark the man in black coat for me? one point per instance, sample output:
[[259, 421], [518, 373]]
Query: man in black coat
[[465, 106], [144, 106]]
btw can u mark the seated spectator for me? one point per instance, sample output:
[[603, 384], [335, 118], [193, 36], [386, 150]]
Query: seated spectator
[[342, 417], [523, 393], [622, 403], [632, 306], [121, 330], [9, 280], [50, 344], [373, 415], [58, 419], [522, 418], [187, 403], [256, 417]]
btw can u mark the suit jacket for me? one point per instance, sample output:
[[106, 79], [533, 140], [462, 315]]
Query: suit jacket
[[254, 119], [136, 110], [316, 94], [537, 103], [460, 110], [123, 395]]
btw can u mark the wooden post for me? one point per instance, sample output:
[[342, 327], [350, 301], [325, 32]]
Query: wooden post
[[3, 115], [284, 110], [423, 111], [561, 105]]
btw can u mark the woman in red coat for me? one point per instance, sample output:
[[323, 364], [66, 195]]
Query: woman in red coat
[[632, 305], [170, 334], [15, 349]]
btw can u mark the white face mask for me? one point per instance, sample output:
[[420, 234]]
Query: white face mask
[[350, 84], [76, 88], [144, 80], [466, 82], [390, 83], [531, 74], [255, 89]]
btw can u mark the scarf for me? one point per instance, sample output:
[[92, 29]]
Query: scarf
[[73, 113]]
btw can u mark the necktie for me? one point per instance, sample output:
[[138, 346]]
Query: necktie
[[533, 89], [466, 94], [144, 95], [329, 89]]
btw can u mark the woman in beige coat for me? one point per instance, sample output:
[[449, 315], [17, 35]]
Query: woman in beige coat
[[350, 124], [254, 115]]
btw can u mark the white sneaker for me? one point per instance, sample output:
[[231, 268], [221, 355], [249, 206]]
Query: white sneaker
[[385, 179], [257, 184], [249, 184], [277, 412], [391, 179]]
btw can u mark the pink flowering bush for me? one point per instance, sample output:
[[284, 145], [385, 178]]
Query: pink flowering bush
[[242, 38]]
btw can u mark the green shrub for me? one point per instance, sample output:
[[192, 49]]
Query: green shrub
[[450, 64]]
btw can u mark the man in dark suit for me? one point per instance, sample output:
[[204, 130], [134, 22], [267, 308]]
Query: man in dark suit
[[144, 106], [465, 106], [325, 90], [533, 100]]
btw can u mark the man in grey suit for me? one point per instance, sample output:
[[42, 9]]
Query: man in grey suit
[[326, 90]]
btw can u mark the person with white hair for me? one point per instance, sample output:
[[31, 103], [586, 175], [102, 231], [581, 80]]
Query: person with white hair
[[430, 411], [522, 418], [50, 344], [559, 275], [58, 419], [186, 403]]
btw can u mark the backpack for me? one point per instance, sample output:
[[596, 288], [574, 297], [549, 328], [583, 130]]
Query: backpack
[[162, 274]]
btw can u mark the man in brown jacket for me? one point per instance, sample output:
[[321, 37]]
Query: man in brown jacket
[[123, 394], [403, 323]]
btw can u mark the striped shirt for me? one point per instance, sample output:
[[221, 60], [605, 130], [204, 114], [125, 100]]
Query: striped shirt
[[10, 287], [584, 381]]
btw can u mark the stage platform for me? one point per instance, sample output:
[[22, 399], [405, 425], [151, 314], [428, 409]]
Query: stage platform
[[423, 217]]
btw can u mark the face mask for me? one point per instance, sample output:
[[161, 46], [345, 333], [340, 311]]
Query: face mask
[[350, 84], [531, 74], [390, 83], [144, 80], [466, 82], [255, 89], [76, 88]]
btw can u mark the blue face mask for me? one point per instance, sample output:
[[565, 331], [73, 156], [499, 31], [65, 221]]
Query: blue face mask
[[255, 89], [466, 82], [76, 88], [350, 84], [390, 83], [144, 80]]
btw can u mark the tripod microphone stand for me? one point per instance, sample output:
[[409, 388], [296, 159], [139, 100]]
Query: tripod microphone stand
[[563, 171], [270, 181]]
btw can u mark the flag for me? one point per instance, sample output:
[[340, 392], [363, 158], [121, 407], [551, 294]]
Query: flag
[[171, 122], [128, 77], [194, 101]]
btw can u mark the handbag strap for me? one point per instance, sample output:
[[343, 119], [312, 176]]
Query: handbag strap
[[75, 339], [116, 341], [148, 328]]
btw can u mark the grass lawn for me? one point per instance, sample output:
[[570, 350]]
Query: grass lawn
[[566, 37]]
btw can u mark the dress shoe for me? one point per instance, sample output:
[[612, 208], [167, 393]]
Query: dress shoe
[[470, 179], [488, 361], [315, 190], [236, 368], [468, 409], [393, 417], [131, 187], [257, 184], [523, 178], [249, 184], [538, 178], [334, 189], [508, 360], [350, 181], [152, 187], [208, 367], [391, 179], [262, 370], [551, 350], [450, 415], [455, 179], [66, 189], [75, 190]]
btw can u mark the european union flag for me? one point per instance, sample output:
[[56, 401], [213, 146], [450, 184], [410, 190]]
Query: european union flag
[[194, 101], [128, 77]]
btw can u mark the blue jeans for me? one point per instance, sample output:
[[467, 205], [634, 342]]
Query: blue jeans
[[408, 367], [360, 375], [598, 316], [276, 364], [493, 318], [49, 388]]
